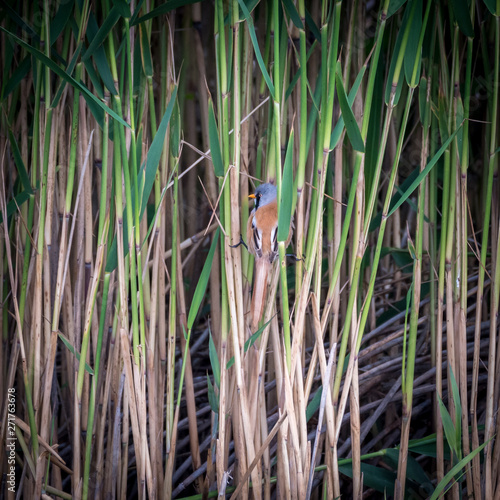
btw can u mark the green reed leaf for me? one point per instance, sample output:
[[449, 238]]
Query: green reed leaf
[[147, 61], [313, 405], [213, 136], [163, 9], [395, 75], [255, 43], [448, 426], [115, 14], [394, 6], [462, 16], [60, 20], [73, 351], [213, 399], [17, 76], [250, 342], [381, 480], [99, 58], [175, 132], [455, 470], [313, 26], [413, 48], [424, 173], [155, 152], [15, 203], [287, 194], [65, 76], [458, 413], [426, 446], [351, 126], [339, 127], [493, 7], [18, 161], [201, 287], [146, 179], [293, 13], [414, 471]]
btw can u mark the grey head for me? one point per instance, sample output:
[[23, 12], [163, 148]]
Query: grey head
[[264, 194]]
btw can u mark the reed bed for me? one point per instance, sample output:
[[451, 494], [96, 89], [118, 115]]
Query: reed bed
[[131, 135]]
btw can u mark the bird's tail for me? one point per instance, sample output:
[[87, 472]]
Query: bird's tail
[[262, 270]]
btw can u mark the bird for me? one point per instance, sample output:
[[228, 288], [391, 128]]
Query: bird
[[262, 232]]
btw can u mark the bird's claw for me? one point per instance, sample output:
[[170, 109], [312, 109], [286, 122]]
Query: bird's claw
[[241, 242]]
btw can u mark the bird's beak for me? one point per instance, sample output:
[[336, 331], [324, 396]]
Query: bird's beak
[[251, 196]]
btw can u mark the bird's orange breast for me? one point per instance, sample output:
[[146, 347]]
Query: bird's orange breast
[[262, 231]]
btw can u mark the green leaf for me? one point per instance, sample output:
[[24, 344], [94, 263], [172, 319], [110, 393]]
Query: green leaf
[[94, 78], [214, 359], [123, 8], [249, 342], [213, 399], [146, 178], [455, 470], [381, 480], [15, 204], [99, 58], [201, 286], [492, 7], [62, 85], [414, 471], [21, 169], [147, 61], [422, 100], [458, 413], [413, 48], [163, 9], [461, 10], [73, 351], [293, 13], [397, 54], [253, 338], [17, 19], [339, 127], [213, 137], [401, 258], [394, 6], [175, 132], [298, 74], [255, 43], [104, 31], [135, 15], [351, 126], [286, 201], [68, 78], [17, 76], [155, 152], [448, 426], [313, 26], [60, 20], [427, 446], [313, 405], [424, 173]]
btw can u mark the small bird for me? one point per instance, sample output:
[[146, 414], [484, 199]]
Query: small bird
[[262, 232]]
